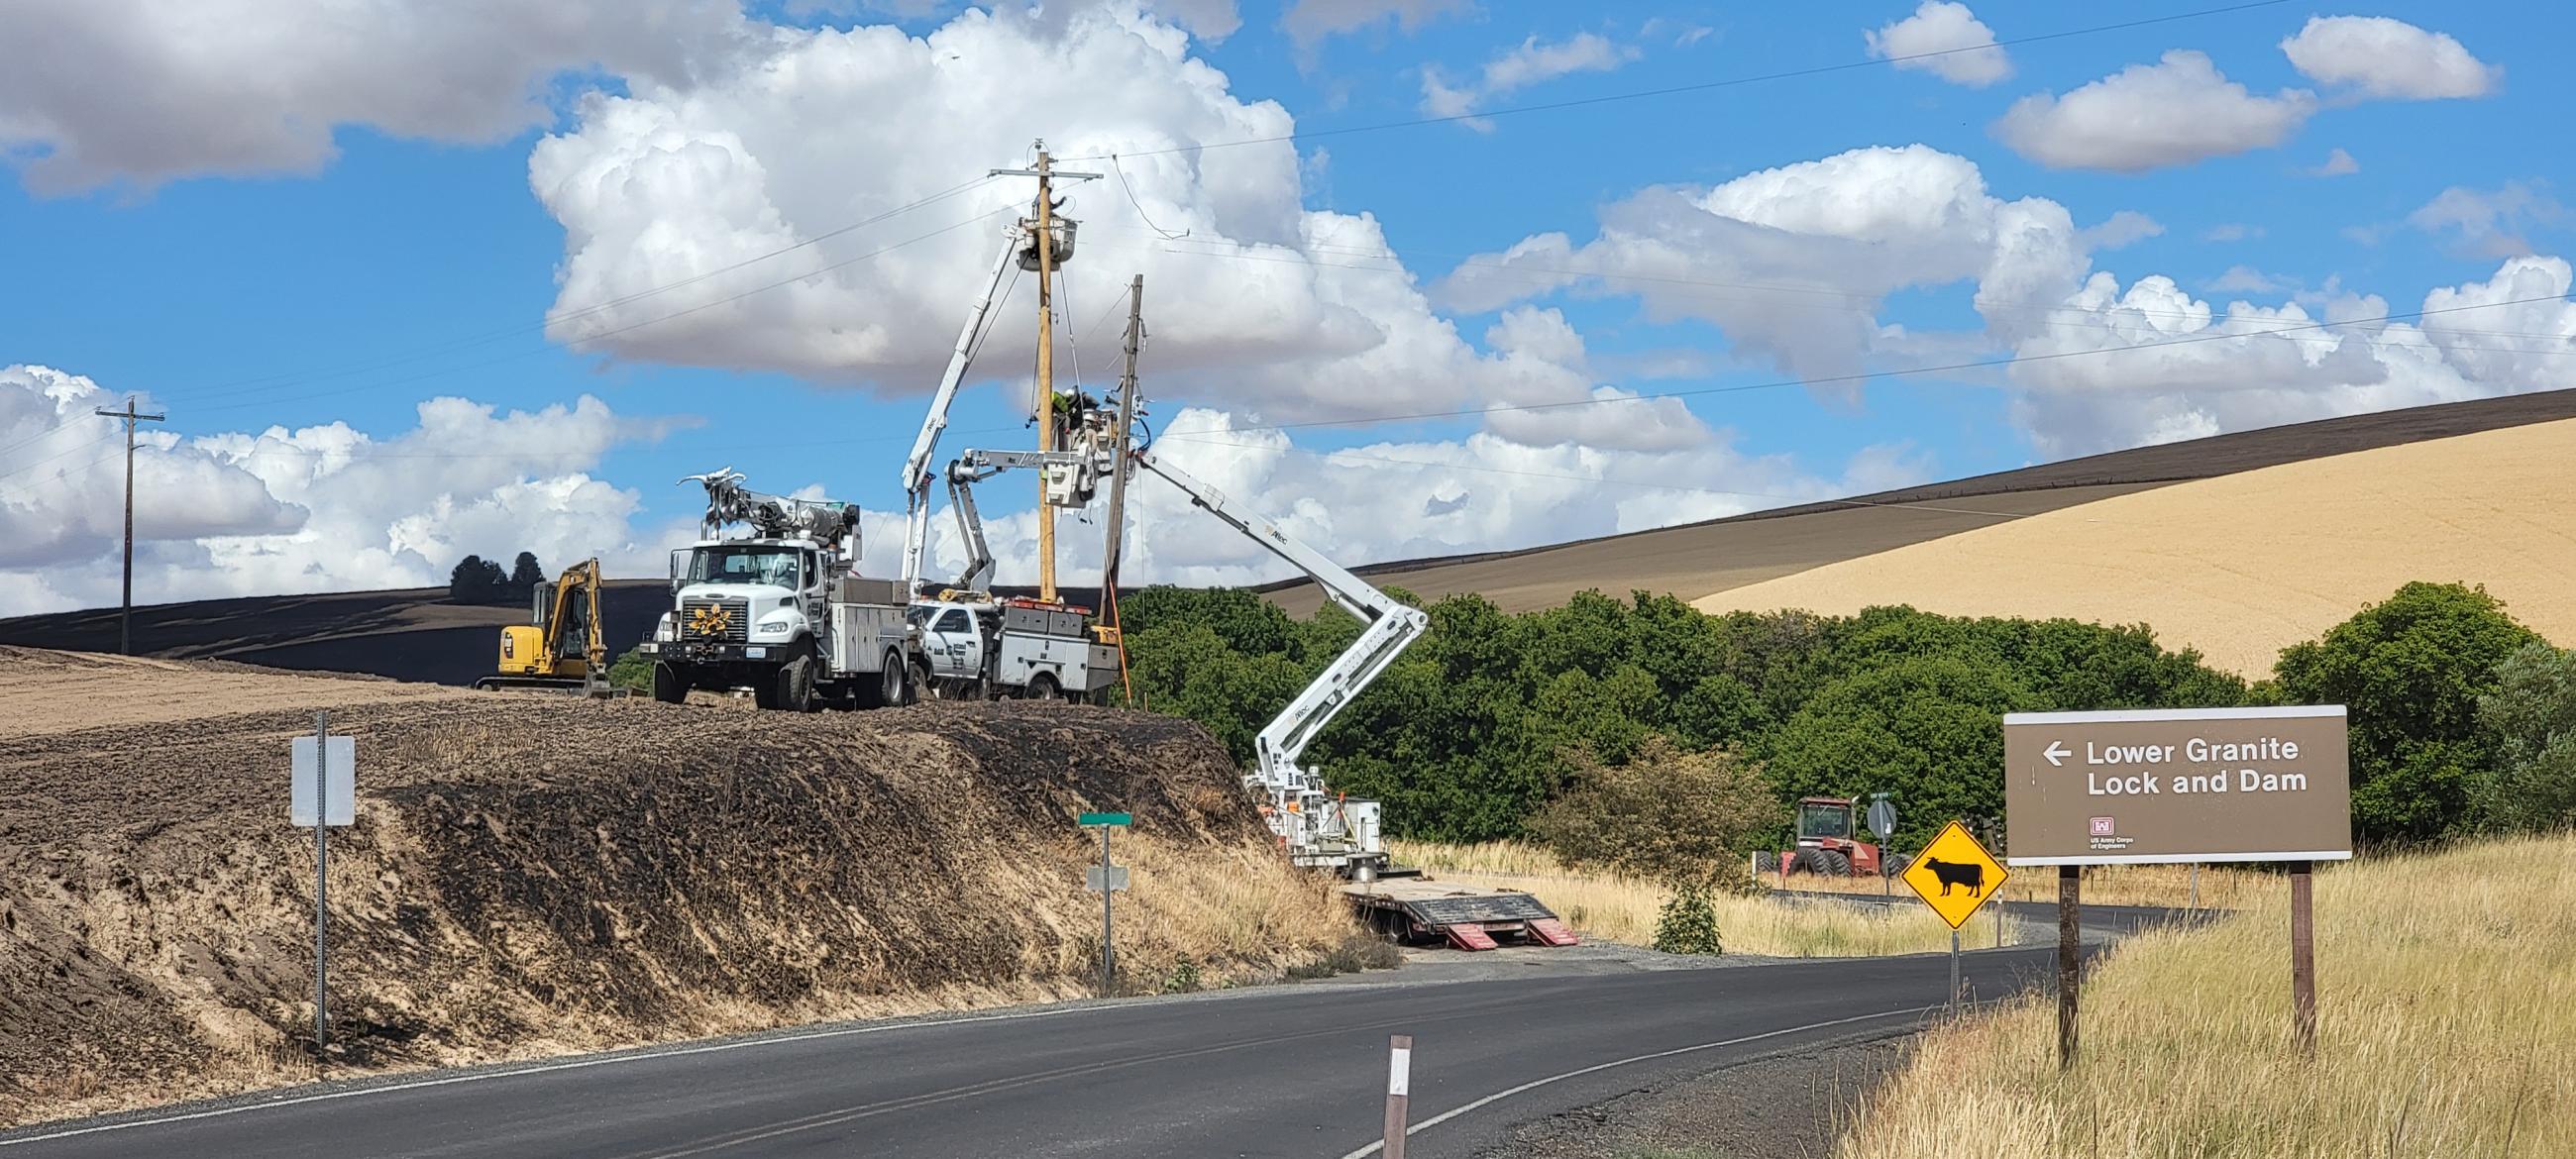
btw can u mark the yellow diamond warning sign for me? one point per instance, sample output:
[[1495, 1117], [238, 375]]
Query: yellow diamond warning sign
[[1954, 875]]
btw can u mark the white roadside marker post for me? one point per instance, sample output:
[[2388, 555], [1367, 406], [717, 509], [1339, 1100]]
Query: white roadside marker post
[[1399, 1079]]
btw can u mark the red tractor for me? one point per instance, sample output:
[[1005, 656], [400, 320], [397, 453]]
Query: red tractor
[[1828, 841]]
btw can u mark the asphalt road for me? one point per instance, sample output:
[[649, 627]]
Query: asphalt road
[[1296, 1071]]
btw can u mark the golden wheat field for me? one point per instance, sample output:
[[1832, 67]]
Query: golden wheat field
[[1619, 909], [2445, 999], [2244, 565]]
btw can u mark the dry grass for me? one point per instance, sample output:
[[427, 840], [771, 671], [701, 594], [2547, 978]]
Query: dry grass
[[2242, 566], [1624, 909], [2221, 887], [2446, 1000]]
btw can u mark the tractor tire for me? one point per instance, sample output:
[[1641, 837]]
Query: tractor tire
[[1893, 864], [1766, 862], [1043, 687], [1834, 862], [668, 687]]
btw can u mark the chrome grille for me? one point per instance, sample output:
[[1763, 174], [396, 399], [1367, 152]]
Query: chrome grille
[[723, 620]]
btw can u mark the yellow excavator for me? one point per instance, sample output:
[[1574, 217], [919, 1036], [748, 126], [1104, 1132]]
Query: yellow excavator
[[566, 649]]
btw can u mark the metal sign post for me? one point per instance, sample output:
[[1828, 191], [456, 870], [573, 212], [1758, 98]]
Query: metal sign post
[[1955, 876], [1882, 821], [1108, 879], [322, 791]]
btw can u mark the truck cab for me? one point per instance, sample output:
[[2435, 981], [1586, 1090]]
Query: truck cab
[[747, 599]]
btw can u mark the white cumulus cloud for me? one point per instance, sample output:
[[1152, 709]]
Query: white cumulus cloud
[[1964, 45], [1530, 62], [2150, 116], [145, 91], [324, 508], [1260, 307], [2382, 57], [1310, 21]]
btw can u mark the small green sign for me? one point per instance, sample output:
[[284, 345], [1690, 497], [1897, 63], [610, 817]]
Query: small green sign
[[1108, 819]]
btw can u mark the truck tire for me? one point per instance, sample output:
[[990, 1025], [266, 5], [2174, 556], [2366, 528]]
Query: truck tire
[[922, 687], [796, 683], [1043, 687], [668, 686], [894, 682]]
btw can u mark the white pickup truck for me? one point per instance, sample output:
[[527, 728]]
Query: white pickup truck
[[982, 648]]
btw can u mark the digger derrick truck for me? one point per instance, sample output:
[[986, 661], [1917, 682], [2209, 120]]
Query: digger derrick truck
[[1320, 828], [781, 610]]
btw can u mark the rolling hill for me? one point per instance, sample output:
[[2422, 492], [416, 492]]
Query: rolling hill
[[1812, 554], [2244, 565], [1695, 560]]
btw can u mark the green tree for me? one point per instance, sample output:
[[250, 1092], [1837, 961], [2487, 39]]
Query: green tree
[[2411, 670], [1667, 815], [477, 580], [2531, 719], [1928, 728], [525, 575], [632, 670]]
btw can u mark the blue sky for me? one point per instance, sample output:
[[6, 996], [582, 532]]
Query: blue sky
[[251, 286]]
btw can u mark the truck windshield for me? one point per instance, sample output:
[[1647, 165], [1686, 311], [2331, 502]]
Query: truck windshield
[[775, 566], [1824, 821]]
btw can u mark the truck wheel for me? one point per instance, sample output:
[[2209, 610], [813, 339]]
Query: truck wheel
[[795, 681], [894, 688], [668, 687], [923, 687], [1042, 687]]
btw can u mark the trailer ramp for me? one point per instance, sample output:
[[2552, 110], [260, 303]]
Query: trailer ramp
[[1469, 917]]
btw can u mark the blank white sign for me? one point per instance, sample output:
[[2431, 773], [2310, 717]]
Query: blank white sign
[[343, 775]]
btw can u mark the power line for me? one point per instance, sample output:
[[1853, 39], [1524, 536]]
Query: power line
[[1704, 86], [1364, 457], [240, 387], [1523, 273], [1867, 375], [610, 333], [1121, 171]]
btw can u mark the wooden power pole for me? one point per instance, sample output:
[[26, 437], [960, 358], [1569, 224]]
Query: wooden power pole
[[1117, 544], [125, 606], [1043, 221]]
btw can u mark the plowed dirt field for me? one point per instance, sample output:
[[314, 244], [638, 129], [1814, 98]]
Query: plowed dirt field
[[531, 874]]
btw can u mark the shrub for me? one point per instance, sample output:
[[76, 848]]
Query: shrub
[[1688, 923], [1680, 818], [2531, 721]]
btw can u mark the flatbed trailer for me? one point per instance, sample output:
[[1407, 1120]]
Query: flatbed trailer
[[1468, 917]]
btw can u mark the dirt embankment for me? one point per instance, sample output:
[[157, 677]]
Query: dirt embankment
[[532, 875]]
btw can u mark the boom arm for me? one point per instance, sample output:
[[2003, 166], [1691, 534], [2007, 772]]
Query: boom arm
[[582, 579], [917, 476], [1392, 626]]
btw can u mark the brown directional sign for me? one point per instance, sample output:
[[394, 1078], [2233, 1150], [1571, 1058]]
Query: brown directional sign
[[2176, 785]]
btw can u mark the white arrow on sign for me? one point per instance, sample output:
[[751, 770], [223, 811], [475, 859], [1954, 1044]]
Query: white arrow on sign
[[2056, 752]]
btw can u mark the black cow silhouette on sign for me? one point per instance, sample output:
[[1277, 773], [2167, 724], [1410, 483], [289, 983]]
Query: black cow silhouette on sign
[[1951, 873]]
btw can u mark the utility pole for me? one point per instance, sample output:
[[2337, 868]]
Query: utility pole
[[1043, 224], [125, 612], [1126, 422]]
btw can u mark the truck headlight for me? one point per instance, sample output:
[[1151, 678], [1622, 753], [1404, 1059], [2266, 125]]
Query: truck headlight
[[778, 627]]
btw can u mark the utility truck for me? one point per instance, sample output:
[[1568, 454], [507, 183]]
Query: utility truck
[[781, 610], [1323, 829], [976, 645]]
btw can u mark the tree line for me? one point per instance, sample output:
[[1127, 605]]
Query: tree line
[[2462, 719], [477, 580]]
